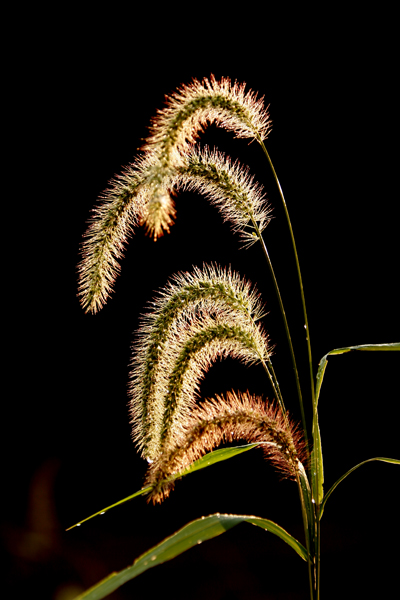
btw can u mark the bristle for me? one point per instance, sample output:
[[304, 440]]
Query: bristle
[[230, 187], [223, 420], [188, 112], [143, 193], [119, 210], [197, 318]]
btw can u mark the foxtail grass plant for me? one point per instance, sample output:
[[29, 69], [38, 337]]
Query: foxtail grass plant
[[200, 317]]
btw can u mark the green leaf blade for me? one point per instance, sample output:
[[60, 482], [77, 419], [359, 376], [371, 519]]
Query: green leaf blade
[[215, 457], [140, 492], [209, 459], [395, 346], [277, 530], [394, 461], [317, 476], [189, 536]]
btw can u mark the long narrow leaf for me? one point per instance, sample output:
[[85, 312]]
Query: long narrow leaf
[[276, 530], [369, 347], [388, 460], [190, 535], [206, 461], [104, 510], [215, 457], [317, 474]]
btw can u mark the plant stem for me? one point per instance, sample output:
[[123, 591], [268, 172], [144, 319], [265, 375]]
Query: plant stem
[[303, 487], [315, 577], [275, 384], [303, 418], [297, 266], [317, 552]]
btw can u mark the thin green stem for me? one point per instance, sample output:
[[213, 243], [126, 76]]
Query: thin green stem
[[303, 418], [274, 382], [269, 369], [315, 577], [306, 527], [317, 552], [297, 266]]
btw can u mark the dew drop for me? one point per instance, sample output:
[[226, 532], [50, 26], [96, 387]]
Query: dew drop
[[153, 557], [103, 512], [199, 541], [149, 460], [202, 518], [313, 501], [305, 326], [78, 524]]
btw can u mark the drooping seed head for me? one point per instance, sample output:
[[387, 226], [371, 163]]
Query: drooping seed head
[[222, 420], [143, 193], [197, 318], [188, 111], [230, 187], [122, 206]]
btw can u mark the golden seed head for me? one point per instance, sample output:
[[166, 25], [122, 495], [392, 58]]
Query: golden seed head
[[188, 111], [142, 194], [198, 318]]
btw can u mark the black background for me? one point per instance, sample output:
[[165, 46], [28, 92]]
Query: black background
[[82, 95]]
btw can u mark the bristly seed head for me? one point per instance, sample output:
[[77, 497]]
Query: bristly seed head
[[230, 187], [226, 419], [120, 208], [197, 318], [142, 194], [189, 110]]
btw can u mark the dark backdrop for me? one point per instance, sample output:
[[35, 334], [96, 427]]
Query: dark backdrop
[[82, 99]]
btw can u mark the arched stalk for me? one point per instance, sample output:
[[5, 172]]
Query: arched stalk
[[289, 339], [315, 576], [303, 301], [269, 369]]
